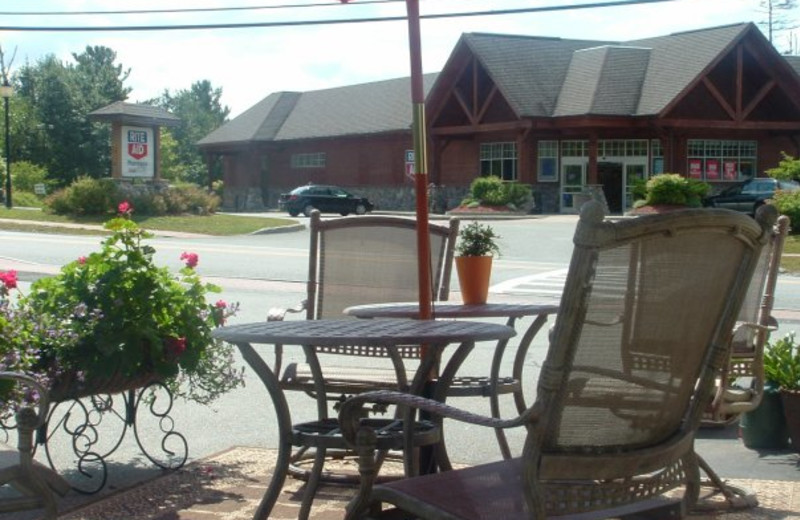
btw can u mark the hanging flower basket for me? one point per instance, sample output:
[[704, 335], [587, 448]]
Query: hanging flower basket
[[71, 385]]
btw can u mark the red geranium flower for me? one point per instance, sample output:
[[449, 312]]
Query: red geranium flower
[[176, 346]]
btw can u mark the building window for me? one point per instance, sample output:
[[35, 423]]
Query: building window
[[548, 161], [721, 160], [499, 159], [574, 148], [308, 160], [656, 157]]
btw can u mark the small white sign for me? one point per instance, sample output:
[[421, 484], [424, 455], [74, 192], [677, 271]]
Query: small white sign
[[40, 189]]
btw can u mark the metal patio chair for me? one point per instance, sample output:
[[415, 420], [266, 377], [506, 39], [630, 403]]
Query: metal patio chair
[[35, 485], [602, 440]]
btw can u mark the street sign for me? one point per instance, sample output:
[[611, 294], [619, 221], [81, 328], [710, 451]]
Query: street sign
[[410, 169]]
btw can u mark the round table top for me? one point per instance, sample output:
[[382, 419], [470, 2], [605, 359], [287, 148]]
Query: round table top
[[379, 332], [451, 310]]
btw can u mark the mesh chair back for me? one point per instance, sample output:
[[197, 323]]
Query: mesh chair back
[[645, 301], [373, 259]]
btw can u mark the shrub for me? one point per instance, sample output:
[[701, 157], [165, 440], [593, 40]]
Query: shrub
[[26, 199], [85, 196], [787, 170], [25, 175], [788, 203], [674, 189], [492, 191]]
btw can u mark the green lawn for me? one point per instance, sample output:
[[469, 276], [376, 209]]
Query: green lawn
[[791, 264], [211, 225]]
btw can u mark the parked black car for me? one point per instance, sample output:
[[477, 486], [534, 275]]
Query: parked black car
[[749, 195], [327, 199]]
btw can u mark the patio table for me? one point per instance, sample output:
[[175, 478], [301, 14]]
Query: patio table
[[454, 310], [380, 333]]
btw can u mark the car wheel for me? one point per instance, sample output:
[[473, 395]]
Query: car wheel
[[307, 210], [344, 213], [361, 209], [294, 213]]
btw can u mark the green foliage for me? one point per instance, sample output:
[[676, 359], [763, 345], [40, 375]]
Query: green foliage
[[788, 203], [85, 196], [200, 111], [88, 196], [492, 191], [26, 199], [476, 239], [25, 175], [56, 98], [782, 362], [788, 169], [674, 189], [119, 313]]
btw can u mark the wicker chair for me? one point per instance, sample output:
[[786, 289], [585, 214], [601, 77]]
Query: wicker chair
[[740, 386], [35, 484], [601, 440]]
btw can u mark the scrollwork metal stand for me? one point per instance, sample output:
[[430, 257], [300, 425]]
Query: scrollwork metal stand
[[95, 426]]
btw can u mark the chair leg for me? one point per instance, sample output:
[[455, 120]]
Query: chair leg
[[734, 497]]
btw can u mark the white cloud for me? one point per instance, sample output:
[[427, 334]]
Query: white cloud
[[249, 64]]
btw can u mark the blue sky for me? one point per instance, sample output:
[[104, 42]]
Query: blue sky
[[249, 64]]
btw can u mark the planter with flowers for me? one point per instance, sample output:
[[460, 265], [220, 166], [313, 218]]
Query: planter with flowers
[[114, 322]]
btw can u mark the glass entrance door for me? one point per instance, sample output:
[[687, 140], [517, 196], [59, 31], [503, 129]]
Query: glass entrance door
[[573, 178]]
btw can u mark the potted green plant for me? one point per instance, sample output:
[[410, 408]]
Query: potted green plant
[[475, 248], [668, 192], [782, 370], [113, 320]]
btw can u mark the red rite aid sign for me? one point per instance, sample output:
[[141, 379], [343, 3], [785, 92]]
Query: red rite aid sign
[[137, 146]]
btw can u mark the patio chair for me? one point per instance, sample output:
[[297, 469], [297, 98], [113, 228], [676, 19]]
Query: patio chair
[[740, 386], [35, 485], [368, 259], [601, 441]]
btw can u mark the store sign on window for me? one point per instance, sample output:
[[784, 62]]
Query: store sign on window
[[729, 170], [137, 152], [712, 169], [696, 168]]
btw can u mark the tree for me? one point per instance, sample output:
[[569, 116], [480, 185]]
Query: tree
[[778, 19], [200, 111], [59, 96]]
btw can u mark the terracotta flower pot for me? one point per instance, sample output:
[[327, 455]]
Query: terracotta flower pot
[[474, 273]]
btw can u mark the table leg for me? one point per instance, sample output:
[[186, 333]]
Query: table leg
[[271, 383], [441, 460], [519, 359], [494, 400]]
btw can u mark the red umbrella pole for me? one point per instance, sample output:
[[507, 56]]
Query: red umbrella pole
[[420, 161]]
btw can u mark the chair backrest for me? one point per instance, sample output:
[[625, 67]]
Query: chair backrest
[[760, 298], [372, 259], [669, 288]]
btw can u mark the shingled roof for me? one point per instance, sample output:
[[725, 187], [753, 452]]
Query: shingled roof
[[367, 108], [136, 114], [546, 77]]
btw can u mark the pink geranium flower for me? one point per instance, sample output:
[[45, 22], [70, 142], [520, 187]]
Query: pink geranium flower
[[125, 207], [9, 279], [81, 260], [190, 259]]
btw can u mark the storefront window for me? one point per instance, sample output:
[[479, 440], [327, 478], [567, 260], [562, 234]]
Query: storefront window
[[548, 161], [721, 160], [499, 159]]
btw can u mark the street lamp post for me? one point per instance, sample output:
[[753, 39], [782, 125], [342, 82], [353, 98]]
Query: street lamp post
[[6, 91]]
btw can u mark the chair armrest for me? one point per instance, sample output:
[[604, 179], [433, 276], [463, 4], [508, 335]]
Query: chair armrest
[[279, 313], [352, 411], [43, 402]]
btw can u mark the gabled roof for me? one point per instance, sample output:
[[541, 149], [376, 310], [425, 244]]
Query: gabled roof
[[367, 108], [546, 77], [133, 113]]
